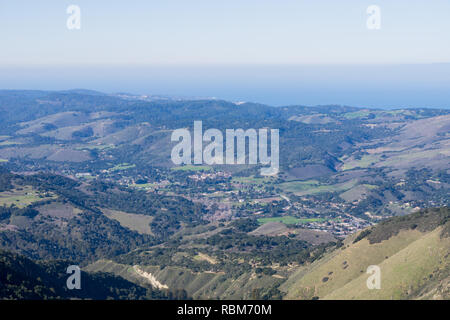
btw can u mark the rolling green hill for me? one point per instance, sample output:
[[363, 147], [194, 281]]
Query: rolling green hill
[[88, 177]]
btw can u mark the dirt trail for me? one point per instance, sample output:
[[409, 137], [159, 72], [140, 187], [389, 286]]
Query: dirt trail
[[147, 275]]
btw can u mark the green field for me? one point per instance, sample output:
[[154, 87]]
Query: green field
[[3, 160], [192, 168], [365, 162], [22, 198], [297, 186], [398, 112], [252, 180], [289, 220], [357, 114], [122, 166], [313, 186]]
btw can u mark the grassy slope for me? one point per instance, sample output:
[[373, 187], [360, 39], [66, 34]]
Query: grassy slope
[[406, 258], [135, 222], [203, 285], [357, 256], [405, 273]]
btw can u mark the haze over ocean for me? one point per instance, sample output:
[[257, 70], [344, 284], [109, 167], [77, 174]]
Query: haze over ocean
[[383, 86], [274, 52]]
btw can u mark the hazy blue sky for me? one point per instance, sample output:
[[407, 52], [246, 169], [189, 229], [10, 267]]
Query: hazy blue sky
[[235, 49]]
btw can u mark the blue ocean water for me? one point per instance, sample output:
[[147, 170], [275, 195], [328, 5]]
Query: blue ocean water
[[380, 86]]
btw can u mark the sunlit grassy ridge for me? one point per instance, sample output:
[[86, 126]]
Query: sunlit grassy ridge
[[405, 273], [411, 251]]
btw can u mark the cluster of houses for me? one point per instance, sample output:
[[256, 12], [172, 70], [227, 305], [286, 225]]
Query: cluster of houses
[[340, 227], [209, 175]]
